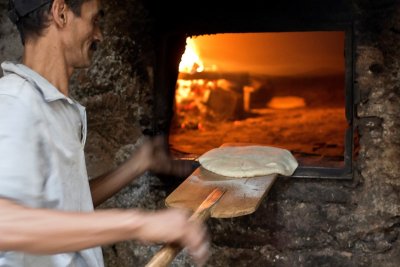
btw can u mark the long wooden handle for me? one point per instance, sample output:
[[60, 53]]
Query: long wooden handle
[[165, 256], [168, 252]]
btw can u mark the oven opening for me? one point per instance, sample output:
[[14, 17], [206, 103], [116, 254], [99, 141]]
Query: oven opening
[[283, 89]]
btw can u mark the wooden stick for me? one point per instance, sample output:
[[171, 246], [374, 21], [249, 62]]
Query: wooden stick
[[168, 252]]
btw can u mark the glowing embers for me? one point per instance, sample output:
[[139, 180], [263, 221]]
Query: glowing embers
[[205, 101], [286, 102], [190, 102]]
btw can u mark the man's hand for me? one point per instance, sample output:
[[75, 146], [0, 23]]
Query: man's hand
[[155, 156], [174, 226], [152, 155], [52, 232]]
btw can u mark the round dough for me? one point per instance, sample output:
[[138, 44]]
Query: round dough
[[248, 161]]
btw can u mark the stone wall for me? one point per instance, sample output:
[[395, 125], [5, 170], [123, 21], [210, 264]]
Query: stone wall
[[10, 44], [302, 222], [337, 223]]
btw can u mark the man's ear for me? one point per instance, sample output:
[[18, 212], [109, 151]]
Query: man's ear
[[59, 13]]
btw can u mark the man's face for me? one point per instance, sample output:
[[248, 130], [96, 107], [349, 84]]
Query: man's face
[[82, 34]]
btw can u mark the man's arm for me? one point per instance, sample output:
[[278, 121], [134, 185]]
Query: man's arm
[[42, 231], [108, 184], [150, 156]]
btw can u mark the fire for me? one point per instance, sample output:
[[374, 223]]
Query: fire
[[190, 62], [192, 95]]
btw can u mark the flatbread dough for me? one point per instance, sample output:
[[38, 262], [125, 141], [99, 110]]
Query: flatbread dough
[[248, 161]]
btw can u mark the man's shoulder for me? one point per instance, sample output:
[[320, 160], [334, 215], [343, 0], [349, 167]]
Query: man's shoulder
[[16, 86], [18, 99]]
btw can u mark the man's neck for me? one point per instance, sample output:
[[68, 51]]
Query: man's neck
[[47, 59]]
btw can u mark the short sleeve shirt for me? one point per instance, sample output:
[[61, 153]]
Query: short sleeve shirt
[[42, 136]]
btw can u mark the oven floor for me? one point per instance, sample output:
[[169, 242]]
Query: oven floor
[[313, 133]]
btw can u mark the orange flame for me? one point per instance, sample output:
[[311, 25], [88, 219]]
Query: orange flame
[[191, 62], [191, 94]]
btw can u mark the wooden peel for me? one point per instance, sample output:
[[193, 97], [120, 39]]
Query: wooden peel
[[167, 254], [242, 195]]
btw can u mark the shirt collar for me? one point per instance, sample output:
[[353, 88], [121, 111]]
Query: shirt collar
[[49, 92]]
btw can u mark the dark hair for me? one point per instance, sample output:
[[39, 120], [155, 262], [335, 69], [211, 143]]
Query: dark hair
[[34, 23]]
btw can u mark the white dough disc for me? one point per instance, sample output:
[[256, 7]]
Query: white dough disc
[[248, 161]]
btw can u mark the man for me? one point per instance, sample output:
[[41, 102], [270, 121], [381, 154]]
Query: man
[[46, 201]]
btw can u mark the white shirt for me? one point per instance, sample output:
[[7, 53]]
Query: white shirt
[[42, 136]]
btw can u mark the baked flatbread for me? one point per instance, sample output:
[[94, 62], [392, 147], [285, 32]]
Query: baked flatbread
[[248, 161]]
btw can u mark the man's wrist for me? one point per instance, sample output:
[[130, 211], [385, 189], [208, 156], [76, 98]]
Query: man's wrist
[[131, 223]]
